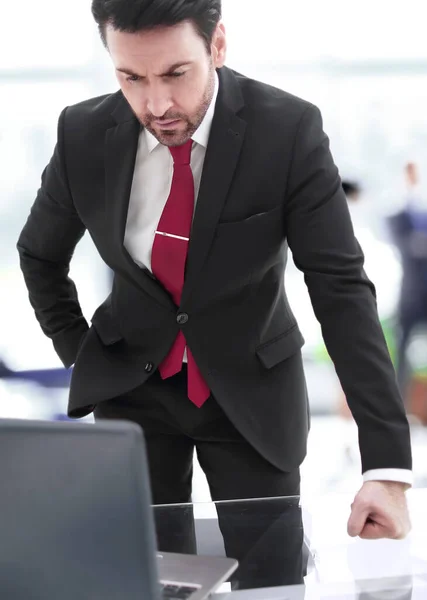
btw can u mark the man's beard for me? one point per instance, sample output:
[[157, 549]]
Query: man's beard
[[174, 138]]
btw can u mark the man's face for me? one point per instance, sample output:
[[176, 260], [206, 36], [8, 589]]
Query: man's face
[[167, 77]]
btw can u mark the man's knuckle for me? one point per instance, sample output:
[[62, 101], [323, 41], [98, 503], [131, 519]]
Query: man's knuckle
[[364, 503]]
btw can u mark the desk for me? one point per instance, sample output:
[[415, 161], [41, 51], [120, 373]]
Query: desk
[[283, 542], [380, 589]]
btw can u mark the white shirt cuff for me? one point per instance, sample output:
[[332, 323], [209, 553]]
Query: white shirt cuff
[[401, 475]]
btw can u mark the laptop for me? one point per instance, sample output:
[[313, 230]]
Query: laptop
[[76, 519]]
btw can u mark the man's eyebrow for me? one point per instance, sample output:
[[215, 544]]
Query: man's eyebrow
[[176, 66], [170, 70], [127, 71]]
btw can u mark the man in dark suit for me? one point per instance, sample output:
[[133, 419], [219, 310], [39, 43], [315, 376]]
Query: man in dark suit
[[202, 349]]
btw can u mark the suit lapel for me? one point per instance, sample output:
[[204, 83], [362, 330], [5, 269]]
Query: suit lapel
[[222, 154], [121, 145]]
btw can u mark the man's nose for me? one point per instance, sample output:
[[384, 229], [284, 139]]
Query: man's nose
[[159, 103]]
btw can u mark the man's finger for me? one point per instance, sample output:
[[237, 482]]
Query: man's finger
[[384, 527], [357, 520], [373, 531]]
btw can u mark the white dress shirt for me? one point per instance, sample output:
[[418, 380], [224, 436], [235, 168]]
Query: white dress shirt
[[151, 185]]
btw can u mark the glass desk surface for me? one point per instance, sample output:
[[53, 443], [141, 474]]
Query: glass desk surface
[[300, 542]]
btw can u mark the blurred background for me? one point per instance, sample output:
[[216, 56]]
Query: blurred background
[[365, 65]]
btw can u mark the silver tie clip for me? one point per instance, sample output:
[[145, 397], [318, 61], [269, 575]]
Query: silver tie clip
[[171, 235]]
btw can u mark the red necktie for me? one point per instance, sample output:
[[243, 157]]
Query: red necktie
[[168, 259]]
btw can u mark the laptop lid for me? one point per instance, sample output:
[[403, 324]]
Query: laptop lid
[[67, 491]]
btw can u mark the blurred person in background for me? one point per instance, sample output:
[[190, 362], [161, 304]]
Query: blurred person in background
[[203, 350], [409, 232]]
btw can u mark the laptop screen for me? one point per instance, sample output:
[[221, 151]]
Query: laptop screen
[[76, 519]]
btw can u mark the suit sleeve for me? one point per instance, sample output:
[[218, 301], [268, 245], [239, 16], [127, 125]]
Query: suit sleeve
[[320, 235], [45, 247]]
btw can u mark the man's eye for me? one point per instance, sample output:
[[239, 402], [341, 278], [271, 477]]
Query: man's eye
[[132, 78], [177, 74]]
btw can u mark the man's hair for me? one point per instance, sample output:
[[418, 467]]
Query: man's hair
[[132, 16]]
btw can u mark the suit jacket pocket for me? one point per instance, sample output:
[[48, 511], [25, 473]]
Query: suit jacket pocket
[[266, 218], [281, 347]]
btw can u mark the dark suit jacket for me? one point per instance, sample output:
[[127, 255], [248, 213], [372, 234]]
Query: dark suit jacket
[[269, 180]]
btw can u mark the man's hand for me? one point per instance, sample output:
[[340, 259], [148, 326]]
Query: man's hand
[[379, 511]]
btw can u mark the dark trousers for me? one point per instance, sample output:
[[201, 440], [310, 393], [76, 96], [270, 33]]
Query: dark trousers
[[266, 537]]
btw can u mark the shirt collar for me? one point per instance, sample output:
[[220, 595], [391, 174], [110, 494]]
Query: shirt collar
[[201, 135]]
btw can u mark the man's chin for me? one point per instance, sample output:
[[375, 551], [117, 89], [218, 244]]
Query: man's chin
[[172, 138]]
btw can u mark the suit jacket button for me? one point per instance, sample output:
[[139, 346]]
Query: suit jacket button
[[182, 318], [148, 367]]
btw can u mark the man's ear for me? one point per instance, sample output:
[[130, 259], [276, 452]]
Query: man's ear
[[219, 46]]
